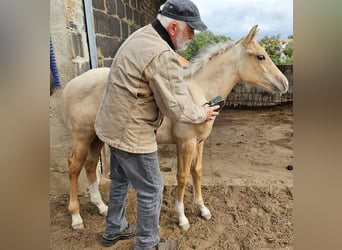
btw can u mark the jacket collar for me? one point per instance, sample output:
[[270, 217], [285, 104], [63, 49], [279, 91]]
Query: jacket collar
[[162, 32]]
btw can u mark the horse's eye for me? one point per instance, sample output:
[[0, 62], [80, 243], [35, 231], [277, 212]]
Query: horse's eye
[[261, 57]]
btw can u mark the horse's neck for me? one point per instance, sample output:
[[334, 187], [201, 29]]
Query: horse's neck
[[217, 77]]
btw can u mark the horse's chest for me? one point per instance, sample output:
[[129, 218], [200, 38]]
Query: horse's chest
[[203, 133], [199, 132]]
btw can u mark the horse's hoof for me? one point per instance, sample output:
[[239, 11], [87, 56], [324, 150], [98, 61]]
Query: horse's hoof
[[207, 216], [77, 226], [76, 221], [185, 227], [103, 211], [183, 223], [205, 213]]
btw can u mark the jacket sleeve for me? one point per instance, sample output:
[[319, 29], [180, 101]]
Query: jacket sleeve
[[165, 77]]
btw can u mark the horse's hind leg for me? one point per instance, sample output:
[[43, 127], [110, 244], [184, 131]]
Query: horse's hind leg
[[196, 172], [76, 159], [90, 166], [105, 154], [185, 154]]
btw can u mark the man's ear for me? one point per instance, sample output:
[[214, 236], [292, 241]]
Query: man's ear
[[172, 28]]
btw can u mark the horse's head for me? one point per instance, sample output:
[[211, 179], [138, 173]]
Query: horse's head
[[257, 68]]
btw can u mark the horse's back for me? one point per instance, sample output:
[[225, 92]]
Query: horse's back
[[82, 96]]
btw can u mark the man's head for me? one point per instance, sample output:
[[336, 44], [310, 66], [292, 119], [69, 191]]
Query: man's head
[[183, 10], [180, 18]]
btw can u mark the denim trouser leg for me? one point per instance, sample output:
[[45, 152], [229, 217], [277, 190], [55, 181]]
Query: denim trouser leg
[[142, 171], [116, 220]]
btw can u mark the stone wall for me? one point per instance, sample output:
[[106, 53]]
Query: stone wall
[[149, 9], [115, 20]]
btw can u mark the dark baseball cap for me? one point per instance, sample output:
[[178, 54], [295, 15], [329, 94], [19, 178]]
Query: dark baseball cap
[[184, 10]]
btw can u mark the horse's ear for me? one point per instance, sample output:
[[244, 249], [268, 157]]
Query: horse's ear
[[251, 35]]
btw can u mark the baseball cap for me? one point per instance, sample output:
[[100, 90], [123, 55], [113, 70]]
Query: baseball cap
[[184, 10]]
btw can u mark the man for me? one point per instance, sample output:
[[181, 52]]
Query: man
[[145, 82]]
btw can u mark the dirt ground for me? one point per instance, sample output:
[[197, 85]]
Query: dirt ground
[[247, 185]]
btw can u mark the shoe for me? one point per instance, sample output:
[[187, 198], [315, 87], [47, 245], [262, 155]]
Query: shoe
[[127, 233], [165, 245]]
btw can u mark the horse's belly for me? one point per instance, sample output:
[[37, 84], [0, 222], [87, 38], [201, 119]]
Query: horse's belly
[[164, 133]]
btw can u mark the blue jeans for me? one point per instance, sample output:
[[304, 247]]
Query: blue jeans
[[142, 172]]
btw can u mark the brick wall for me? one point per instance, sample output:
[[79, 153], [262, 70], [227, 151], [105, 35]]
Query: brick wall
[[115, 20]]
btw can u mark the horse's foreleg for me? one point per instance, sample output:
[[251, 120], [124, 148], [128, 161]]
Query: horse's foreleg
[[90, 166], [196, 172], [76, 159], [185, 152]]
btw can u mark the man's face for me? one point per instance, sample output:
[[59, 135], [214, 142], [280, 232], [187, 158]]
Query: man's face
[[184, 37]]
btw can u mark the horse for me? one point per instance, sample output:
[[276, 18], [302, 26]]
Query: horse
[[213, 73]]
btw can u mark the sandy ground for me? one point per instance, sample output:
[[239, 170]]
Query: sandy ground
[[247, 185]]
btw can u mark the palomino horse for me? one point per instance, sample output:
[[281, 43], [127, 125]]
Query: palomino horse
[[213, 73]]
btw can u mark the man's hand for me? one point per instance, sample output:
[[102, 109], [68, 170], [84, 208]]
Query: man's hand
[[211, 113]]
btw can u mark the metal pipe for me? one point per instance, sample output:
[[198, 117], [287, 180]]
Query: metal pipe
[[88, 9]]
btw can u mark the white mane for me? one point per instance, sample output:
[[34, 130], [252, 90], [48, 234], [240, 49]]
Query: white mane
[[203, 58]]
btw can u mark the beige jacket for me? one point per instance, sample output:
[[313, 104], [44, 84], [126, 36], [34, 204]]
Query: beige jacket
[[145, 83]]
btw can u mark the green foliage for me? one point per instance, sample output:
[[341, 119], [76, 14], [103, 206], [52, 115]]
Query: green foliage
[[201, 41], [288, 52], [276, 50], [272, 45]]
